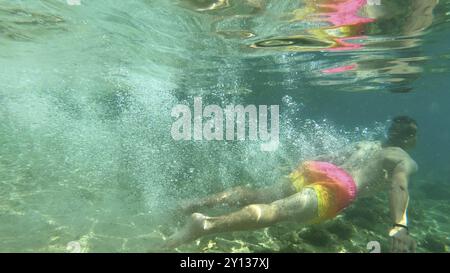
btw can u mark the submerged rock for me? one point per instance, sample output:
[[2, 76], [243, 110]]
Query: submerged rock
[[293, 248], [342, 230], [316, 236], [435, 243]]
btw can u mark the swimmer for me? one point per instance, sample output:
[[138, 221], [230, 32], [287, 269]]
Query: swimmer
[[320, 189]]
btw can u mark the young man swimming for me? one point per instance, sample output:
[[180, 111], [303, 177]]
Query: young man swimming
[[320, 189]]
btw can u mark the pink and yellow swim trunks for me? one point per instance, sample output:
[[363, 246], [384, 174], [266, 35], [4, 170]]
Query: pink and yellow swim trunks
[[334, 187]]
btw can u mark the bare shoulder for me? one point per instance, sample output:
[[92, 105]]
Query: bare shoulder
[[397, 157], [367, 144], [351, 151]]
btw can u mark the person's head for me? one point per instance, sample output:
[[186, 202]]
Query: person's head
[[402, 133]]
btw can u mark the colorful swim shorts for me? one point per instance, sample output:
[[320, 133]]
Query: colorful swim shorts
[[334, 187]]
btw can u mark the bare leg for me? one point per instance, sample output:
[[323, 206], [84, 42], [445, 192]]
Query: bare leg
[[300, 207], [241, 196]]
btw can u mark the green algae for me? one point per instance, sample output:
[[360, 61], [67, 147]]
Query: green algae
[[317, 236], [343, 230]]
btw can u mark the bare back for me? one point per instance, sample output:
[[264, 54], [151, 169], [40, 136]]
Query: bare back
[[371, 165]]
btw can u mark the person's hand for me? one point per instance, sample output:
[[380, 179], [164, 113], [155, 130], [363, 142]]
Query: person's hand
[[402, 242]]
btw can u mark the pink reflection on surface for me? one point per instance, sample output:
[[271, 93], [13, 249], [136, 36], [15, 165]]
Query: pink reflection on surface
[[340, 69], [345, 13]]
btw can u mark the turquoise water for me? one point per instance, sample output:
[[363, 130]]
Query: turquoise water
[[86, 93]]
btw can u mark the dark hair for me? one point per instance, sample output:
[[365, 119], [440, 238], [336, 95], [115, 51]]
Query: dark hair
[[402, 127]]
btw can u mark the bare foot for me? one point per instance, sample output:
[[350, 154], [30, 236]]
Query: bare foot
[[193, 229]]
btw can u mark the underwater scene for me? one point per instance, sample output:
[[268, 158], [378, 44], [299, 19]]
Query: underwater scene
[[218, 126]]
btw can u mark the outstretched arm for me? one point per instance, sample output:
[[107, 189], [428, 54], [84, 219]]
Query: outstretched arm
[[399, 199], [399, 196]]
